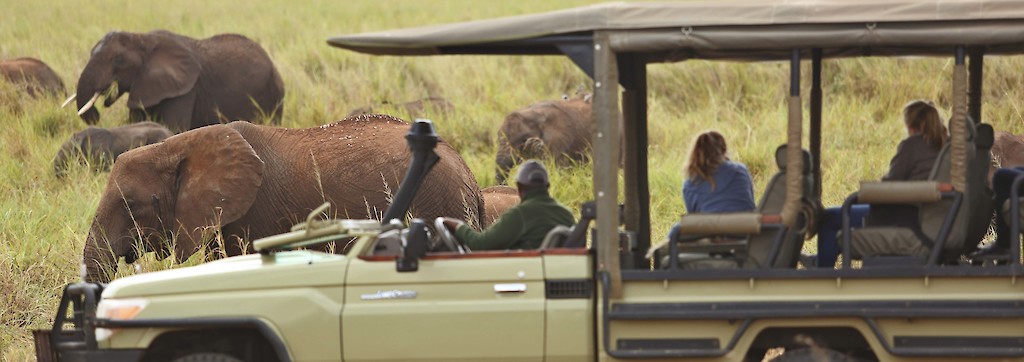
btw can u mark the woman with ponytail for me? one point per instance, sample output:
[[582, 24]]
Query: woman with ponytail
[[913, 161], [714, 183]]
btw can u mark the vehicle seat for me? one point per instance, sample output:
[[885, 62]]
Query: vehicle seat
[[771, 203], [556, 237], [879, 246], [577, 237], [759, 250]]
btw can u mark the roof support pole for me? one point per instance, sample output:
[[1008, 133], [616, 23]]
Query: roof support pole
[[794, 157], [975, 74], [816, 120], [606, 161], [633, 77], [957, 126]]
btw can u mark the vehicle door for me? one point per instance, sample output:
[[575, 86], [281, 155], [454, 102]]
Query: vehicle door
[[474, 307]]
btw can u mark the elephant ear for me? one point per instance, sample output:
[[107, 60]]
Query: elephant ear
[[218, 177], [171, 69]]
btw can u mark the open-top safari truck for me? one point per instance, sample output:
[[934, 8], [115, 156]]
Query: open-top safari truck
[[389, 299]]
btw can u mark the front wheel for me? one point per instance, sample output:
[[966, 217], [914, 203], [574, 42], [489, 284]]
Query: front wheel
[[207, 357]]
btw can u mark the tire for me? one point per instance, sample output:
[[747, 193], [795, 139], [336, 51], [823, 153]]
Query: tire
[[813, 355], [208, 357]]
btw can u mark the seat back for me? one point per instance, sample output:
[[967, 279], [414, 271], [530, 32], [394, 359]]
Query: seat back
[[975, 210], [980, 206], [760, 247], [577, 237], [556, 237]]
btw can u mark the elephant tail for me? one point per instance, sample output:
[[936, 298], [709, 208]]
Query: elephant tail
[[481, 215]]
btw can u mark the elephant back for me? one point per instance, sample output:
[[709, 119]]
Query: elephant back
[[357, 164]]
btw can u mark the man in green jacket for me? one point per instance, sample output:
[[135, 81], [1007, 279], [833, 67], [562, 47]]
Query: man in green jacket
[[524, 225]]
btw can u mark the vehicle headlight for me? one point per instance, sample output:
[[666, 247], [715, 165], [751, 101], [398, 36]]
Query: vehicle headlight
[[122, 309]]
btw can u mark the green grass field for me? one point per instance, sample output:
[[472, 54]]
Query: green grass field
[[44, 221]]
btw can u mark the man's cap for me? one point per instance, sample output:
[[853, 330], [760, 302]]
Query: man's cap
[[532, 173]]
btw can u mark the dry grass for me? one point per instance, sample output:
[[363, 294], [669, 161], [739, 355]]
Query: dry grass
[[45, 220]]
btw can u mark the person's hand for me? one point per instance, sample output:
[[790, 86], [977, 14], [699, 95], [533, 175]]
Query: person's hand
[[451, 224]]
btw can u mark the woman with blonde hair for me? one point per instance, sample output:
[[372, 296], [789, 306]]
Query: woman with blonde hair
[[714, 183], [913, 161]]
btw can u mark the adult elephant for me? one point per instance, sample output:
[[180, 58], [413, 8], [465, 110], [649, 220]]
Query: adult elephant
[[36, 77], [249, 181], [497, 199], [101, 146], [430, 106], [1007, 151], [179, 81], [560, 129]]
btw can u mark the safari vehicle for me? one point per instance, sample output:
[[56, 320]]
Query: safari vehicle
[[607, 301]]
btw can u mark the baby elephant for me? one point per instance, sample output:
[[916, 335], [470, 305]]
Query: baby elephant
[[100, 146]]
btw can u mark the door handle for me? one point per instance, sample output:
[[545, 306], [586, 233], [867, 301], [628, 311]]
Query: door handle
[[510, 288]]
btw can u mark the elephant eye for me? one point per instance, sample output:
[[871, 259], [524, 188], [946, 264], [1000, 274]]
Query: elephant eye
[[119, 59]]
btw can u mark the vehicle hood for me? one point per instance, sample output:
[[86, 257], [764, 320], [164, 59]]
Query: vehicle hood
[[280, 270]]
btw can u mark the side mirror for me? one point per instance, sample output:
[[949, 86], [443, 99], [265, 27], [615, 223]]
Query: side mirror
[[414, 247]]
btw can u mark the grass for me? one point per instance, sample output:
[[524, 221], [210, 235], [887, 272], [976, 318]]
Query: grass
[[45, 220]]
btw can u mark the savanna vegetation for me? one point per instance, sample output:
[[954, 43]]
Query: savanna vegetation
[[44, 221]]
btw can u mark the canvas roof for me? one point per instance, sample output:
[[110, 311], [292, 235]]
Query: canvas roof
[[741, 30]]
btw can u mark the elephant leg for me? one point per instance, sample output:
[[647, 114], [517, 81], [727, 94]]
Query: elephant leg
[[137, 115], [176, 113]]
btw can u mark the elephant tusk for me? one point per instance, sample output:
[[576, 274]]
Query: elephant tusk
[[89, 104], [68, 101]]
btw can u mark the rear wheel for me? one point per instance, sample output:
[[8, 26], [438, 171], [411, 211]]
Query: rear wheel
[[207, 357]]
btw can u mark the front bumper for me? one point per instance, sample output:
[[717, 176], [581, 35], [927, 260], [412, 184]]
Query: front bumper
[[77, 343], [46, 353], [73, 336]]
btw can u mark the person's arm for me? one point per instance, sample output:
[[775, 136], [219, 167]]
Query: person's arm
[[689, 199], [748, 188], [500, 235], [901, 164]]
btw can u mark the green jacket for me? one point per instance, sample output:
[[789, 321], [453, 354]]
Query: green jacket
[[520, 227]]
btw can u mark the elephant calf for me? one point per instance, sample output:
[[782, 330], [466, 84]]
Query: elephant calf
[[497, 199], [559, 129], [101, 146], [36, 77], [249, 181]]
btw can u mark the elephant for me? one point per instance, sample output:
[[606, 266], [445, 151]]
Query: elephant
[[101, 146], [181, 82], [560, 129], [418, 108], [1007, 151], [245, 181], [37, 77], [497, 199]]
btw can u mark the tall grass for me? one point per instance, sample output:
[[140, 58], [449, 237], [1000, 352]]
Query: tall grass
[[45, 220]]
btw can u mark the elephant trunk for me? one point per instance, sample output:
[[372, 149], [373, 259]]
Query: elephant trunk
[[98, 259], [106, 243], [504, 162], [90, 86], [60, 162], [86, 107]]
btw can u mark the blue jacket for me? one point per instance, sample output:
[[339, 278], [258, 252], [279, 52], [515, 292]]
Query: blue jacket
[[734, 191]]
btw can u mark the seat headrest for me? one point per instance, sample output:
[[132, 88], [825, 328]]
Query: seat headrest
[[780, 159]]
